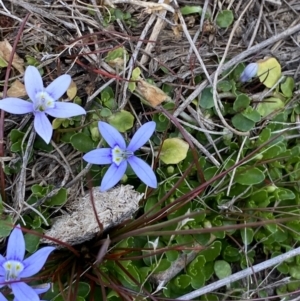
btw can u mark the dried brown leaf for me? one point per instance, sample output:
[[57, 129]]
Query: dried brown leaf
[[5, 51], [72, 90], [153, 95], [17, 89]]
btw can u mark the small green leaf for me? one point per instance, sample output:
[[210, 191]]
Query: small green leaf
[[287, 87], [251, 114], [172, 255], [295, 272], [222, 269], [206, 99], [83, 289], [247, 236], [136, 73], [32, 241], [6, 225], [56, 123], [249, 176], [224, 86], [174, 150], [105, 112], [182, 281], [241, 102], [188, 10], [264, 136], [242, 123], [269, 106], [59, 199], [212, 251], [224, 18], [82, 142], [116, 57], [3, 63], [16, 135], [16, 147], [122, 121]]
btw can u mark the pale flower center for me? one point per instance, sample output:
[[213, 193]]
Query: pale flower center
[[43, 101], [118, 155], [12, 269]]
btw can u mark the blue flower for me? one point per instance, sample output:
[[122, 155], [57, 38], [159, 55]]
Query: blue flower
[[118, 155], [43, 100], [14, 267], [249, 72]]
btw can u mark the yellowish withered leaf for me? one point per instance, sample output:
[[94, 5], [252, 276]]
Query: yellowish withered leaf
[[17, 89], [5, 51], [173, 150], [269, 71], [152, 94], [72, 90]]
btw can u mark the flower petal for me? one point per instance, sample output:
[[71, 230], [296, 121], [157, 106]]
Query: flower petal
[[16, 245], [33, 82], [113, 175], [24, 292], [43, 126], [35, 262], [143, 171], [2, 298], [141, 136], [99, 156], [42, 288], [59, 86], [249, 72], [111, 135], [65, 110], [16, 105]]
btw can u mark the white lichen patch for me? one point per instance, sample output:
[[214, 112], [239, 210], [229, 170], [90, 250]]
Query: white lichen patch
[[113, 207]]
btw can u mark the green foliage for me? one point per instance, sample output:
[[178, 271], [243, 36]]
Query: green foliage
[[173, 150], [188, 10], [122, 121], [225, 18]]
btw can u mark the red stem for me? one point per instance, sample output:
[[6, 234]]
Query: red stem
[[2, 176]]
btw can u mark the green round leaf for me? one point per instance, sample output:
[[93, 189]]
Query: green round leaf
[[222, 269], [206, 99], [59, 199], [188, 10], [16, 135], [6, 226], [251, 114], [287, 87], [241, 102], [295, 272], [122, 121], [247, 236], [224, 18], [174, 150], [249, 176], [82, 142], [32, 241], [270, 105], [136, 72], [241, 123], [182, 281]]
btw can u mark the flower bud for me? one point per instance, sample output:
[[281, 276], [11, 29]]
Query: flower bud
[[249, 72]]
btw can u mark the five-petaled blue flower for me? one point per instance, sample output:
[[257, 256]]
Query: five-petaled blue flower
[[43, 100], [249, 72], [118, 155], [14, 267]]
